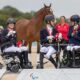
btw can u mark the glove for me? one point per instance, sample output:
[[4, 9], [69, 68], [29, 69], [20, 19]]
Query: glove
[[60, 36], [76, 27], [50, 37], [11, 33], [74, 34]]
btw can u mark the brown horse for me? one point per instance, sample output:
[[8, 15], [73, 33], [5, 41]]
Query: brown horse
[[30, 30]]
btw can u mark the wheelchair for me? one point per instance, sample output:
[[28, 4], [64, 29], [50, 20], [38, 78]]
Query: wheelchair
[[71, 59], [56, 58], [11, 61]]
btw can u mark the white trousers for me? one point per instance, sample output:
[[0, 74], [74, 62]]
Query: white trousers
[[70, 48], [15, 49], [48, 50], [23, 48]]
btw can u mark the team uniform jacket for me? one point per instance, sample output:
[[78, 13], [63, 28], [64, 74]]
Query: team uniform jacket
[[44, 33], [7, 41], [76, 38]]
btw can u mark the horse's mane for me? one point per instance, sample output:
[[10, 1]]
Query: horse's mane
[[39, 12]]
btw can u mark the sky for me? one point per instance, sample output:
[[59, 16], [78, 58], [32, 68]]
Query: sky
[[59, 7]]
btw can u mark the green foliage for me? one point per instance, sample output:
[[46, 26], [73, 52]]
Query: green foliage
[[9, 11], [3, 18]]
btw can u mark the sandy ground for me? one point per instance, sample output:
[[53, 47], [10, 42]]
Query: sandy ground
[[33, 58]]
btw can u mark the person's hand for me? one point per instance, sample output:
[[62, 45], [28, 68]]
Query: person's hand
[[74, 34], [50, 37], [11, 33], [60, 36], [58, 40], [76, 27]]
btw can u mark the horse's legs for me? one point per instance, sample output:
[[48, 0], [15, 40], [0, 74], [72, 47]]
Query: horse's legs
[[38, 47], [30, 45]]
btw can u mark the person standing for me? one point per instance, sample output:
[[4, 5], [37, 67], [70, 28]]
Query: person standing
[[63, 27]]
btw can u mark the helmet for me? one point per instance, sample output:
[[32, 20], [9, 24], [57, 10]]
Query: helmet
[[48, 18], [11, 20], [75, 18]]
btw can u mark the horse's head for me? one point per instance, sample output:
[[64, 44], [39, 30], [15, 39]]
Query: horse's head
[[44, 11], [47, 9]]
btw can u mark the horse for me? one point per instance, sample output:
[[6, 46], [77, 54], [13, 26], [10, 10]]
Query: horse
[[29, 30]]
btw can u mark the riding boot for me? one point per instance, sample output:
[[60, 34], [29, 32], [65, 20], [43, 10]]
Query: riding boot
[[21, 60], [41, 59], [25, 57], [27, 64], [53, 61]]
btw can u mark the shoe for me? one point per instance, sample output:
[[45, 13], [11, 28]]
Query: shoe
[[27, 66]]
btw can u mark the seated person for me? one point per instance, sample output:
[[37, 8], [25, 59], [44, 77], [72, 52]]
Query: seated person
[[74, 40], [8, 39], [74, 33], [47, 36]]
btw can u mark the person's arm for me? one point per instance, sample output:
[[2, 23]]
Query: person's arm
[[77, 35], [43, 37], [70, 32], [4, 36], [74, 34], [55, 34]]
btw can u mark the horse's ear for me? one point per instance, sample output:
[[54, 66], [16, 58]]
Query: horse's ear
[[45, 5], [50, 5]]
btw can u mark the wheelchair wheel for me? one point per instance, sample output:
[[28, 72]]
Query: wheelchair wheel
[[14, 68], [66, 61]]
